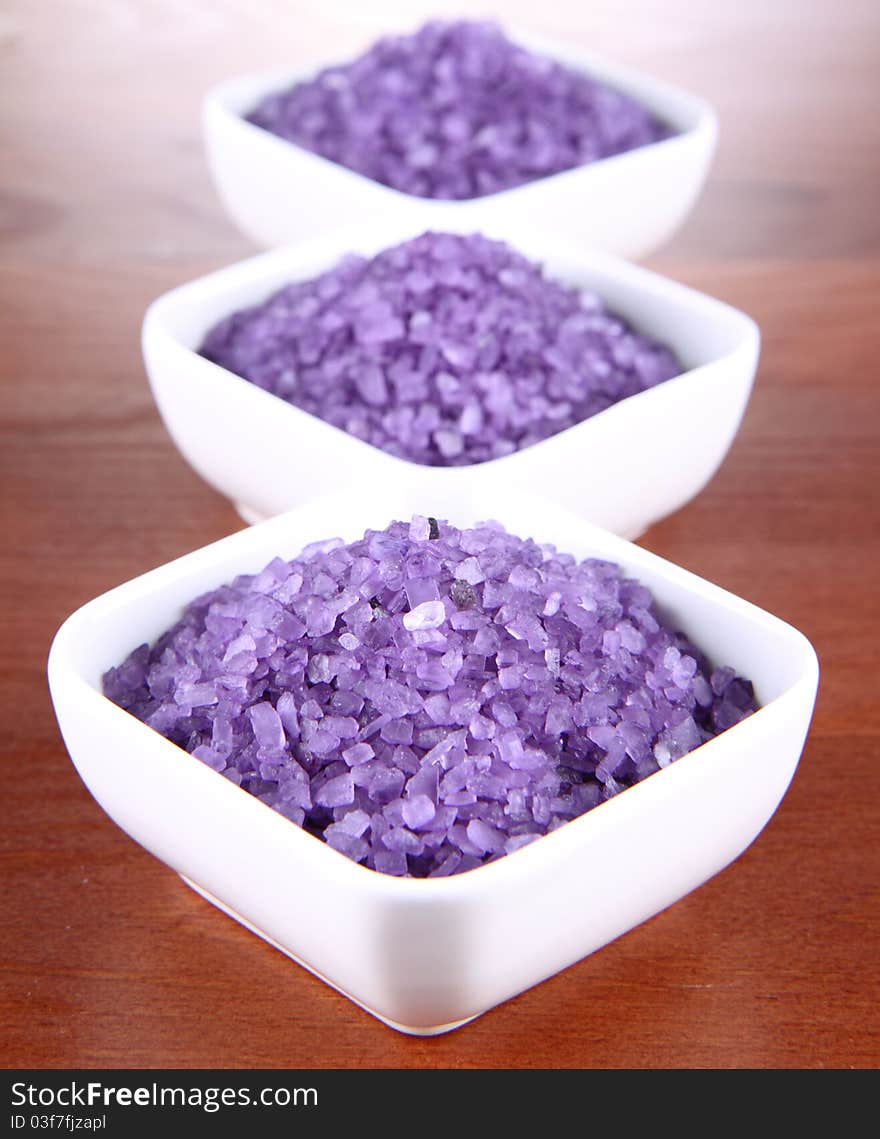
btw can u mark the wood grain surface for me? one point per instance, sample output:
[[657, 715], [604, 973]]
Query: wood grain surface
[[106, 959]]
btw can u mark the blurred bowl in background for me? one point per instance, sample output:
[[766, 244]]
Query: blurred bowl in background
[[277, 192]]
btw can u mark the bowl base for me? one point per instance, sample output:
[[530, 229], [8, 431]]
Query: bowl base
[[409, 1030]]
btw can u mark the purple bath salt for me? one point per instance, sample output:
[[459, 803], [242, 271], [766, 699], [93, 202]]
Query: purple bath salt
[[432, 748], [445, 350], [456, 110]]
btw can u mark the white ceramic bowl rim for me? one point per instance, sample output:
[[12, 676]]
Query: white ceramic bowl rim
[[222, 284], [683, 111], [235, 554]]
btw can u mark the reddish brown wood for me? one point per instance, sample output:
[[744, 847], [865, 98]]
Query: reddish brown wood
[[106, 959]]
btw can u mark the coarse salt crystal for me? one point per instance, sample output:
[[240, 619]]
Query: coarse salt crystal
[[377, 374], [456, 110], [428, 615], [553, 686]]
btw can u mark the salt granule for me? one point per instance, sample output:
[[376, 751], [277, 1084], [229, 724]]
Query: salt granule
[[455, 110], [446, 350], [422, 730]]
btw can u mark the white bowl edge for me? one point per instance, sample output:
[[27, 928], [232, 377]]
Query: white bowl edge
[[448, 910]]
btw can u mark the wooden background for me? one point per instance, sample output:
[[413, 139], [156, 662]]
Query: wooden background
[[106, 958]]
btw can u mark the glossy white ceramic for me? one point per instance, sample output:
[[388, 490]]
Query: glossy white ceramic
[[277, 192], [428, 955], [623, 469]]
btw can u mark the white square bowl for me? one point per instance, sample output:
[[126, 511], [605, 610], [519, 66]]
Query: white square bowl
[[426, 955], [277, 192], [623, 469]]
